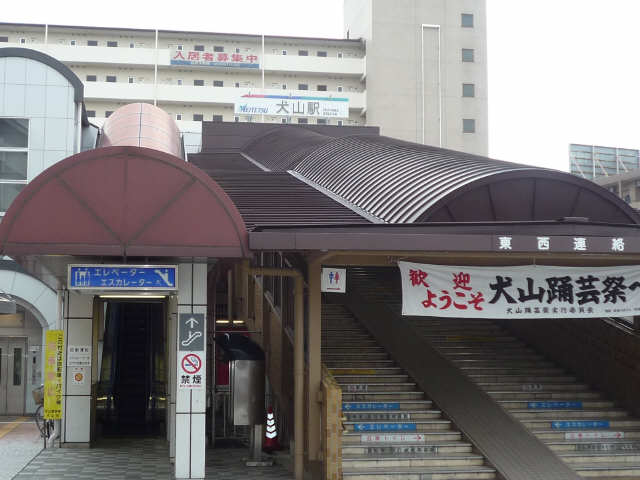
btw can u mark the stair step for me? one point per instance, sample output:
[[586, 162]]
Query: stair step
[[352, 438], [596, 445], [381, 396], [569, 415], [519, 377], [371, 378], [384, 448], [377, 387], [398, 427], [396, 405], [391, 415], [420, 473], [549, 396], [618, 471], [577, 425], [530, 404], [411, 460]]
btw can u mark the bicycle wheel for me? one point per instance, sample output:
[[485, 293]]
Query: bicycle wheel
[[40, 421]]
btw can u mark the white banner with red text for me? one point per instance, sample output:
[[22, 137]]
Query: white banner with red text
[[528, 291]]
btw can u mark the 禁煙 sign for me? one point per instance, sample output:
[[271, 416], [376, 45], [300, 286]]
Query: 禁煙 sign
[[122, 277], [530, 291]]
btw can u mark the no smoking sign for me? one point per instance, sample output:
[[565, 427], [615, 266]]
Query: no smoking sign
[[190, 372]]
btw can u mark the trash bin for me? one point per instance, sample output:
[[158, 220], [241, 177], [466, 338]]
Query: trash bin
[[246, 380]]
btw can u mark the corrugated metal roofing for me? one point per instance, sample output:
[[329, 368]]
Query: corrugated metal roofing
[[277, 198]]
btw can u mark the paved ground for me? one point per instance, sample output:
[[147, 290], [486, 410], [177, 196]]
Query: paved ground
[[19, 442], [141, 459]]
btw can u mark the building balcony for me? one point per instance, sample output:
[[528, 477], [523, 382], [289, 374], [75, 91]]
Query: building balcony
[[142, 92], [145, 57]]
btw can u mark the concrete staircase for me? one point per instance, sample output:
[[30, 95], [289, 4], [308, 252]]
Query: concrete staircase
[[391, 431], [586, 430]]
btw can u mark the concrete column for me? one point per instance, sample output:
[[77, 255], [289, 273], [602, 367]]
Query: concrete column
[[77, 400], [172, 326], [191, 403], [314, 333]]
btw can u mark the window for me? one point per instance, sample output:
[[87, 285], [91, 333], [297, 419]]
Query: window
[[198, 117], [303, 120], [178, 116], [132, 45], [339, 54], [284, 52], [468, 90], [218, 83], [111, 78], [91, 113], [132, 79], [198, 48], [179, 81], [72, 42], [108, 113], [339, 123], [14, 154], [178, 47], [468, 125], [91, 78], [92, 43], [237, 50], [321, 121], [339, 88], [4, 39], [321, 88], [284, 86], [112, 44], [218, 49], [217, 118], [198, 83], [23, 40], [17, 366], [303, 53], [284, 120], [467, 54], [303, 86], [466, 20], [237, 84], [236, 119], [321, 53]]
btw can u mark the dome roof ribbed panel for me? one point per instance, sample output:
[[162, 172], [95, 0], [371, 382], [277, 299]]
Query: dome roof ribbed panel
[[394, 180]]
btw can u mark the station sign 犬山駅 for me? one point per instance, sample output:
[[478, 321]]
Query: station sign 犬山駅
[[215, 59], [122, 277], [292, 106], [527, 291]]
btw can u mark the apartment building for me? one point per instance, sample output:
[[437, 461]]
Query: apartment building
[[416, 69]]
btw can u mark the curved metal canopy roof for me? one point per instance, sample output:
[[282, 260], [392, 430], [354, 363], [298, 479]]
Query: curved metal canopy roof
[[403, 182], [123, 201]]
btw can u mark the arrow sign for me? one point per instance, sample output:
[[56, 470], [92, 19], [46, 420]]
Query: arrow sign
[[192, 322]]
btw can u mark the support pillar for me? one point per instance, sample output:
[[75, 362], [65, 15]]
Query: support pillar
[[77, 397], [191, 403], [314, 339]]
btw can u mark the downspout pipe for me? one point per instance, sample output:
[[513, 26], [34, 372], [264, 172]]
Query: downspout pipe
[[298, 359]]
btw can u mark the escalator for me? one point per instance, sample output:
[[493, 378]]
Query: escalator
[[131, 399]]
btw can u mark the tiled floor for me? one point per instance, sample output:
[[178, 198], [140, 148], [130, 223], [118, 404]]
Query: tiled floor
[[142, 459], [19, 442]]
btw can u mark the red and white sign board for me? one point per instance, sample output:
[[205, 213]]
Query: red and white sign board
[[334, 280], [191, 370], [528, 291]]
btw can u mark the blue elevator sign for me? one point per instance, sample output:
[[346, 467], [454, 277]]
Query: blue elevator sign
[[122, 277]]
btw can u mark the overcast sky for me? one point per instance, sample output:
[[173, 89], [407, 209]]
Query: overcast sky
[[560, 71]]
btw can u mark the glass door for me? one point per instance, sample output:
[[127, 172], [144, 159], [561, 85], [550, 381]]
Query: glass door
[[13, 368]]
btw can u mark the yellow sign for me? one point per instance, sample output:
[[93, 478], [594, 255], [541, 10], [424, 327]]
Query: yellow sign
[[53, 351]]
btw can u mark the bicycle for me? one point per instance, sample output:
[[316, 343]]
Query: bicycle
[[45, 426]]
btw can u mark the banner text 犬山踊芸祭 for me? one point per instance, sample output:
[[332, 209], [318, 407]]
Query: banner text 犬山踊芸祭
[[528, 291]]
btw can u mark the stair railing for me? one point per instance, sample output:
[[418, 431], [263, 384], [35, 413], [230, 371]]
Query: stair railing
[[331, 426]]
